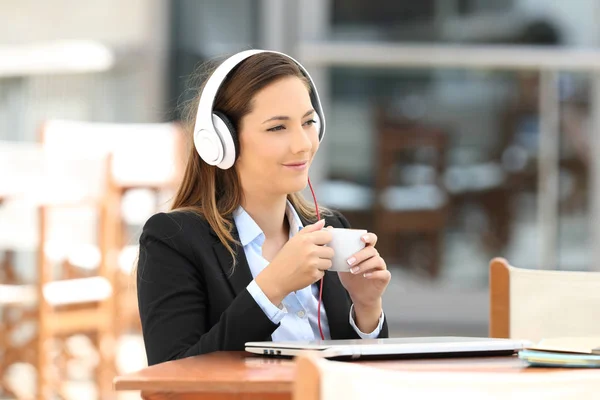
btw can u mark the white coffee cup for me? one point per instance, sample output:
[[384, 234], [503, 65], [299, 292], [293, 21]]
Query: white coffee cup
[[345, 243]]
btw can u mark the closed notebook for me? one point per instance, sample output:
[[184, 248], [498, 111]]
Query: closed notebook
[[555, 359], [575, 352], [578, 345]]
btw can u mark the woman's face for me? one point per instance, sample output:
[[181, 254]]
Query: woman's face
[[278, 139]]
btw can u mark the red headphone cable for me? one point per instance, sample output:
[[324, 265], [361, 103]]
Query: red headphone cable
[[322, 279]]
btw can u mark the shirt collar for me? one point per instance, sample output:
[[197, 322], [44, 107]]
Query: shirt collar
[[293, 219], [249, 231]]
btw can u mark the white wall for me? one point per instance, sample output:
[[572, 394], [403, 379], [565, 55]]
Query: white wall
[[133, 91], [112, 21]]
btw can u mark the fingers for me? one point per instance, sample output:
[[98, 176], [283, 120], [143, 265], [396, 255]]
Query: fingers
[[372, 264], [369, 265], [382, 275], [323, 252], [362, 255], [370, 239], [324, 264], [320, 237], [318, 275], [312, 228], [323, 257]]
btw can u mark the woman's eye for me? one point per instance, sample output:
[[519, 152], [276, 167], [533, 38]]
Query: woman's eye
[[282, 127], [276, 128]]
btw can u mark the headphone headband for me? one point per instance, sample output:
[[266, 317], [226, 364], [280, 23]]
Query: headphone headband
[[213, 137]]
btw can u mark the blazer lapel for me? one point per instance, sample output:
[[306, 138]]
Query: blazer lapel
[[239, 276], [337, 306]]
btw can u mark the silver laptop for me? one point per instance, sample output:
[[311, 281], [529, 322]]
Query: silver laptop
[[414, 347]]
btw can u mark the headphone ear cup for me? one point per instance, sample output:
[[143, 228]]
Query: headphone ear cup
[[228, 131], [318, 125]]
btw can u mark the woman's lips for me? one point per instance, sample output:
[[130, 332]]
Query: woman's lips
[[298, 166]]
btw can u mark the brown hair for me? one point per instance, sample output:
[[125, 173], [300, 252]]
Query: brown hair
[[213, 193]]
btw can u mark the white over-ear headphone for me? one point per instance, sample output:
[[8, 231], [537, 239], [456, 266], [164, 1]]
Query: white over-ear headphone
[[215, 137]]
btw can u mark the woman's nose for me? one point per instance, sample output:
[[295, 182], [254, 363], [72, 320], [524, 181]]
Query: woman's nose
[[301, 141]]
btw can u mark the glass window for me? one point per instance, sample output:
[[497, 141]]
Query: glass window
[[440, 151], [426, 20], [203, 30]]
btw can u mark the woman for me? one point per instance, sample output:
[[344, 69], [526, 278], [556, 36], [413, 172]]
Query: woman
[[241, 255]]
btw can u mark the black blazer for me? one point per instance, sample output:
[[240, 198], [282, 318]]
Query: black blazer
[[191, 304]]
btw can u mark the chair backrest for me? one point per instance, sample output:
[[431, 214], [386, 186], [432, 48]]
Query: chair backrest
[[147, 159], [400, 138], [74, 206], [20, 167], [37, 177], [320, 379], [536, 304], [146, 165], [143, 154], [56, 203]]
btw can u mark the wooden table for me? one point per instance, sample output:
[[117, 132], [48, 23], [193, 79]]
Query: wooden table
[[238, 375]]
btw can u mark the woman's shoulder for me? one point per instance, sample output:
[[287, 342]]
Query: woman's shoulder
[[177, 223], [335, 218]]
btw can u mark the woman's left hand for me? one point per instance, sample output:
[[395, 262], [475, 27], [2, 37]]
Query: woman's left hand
[[369, 275]]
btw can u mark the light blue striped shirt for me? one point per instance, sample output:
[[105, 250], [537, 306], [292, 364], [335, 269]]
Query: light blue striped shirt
[[298, 311]]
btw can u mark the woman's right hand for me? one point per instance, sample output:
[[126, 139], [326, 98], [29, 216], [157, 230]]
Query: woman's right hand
[[302, 261]]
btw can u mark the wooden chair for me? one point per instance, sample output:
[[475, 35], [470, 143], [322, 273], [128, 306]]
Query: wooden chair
[[535, 304], [410, 211], [428, 214], [494, 197], [147, 158], [321, 379], [23, 164], [80, 305], [62, 304], [142, 156]]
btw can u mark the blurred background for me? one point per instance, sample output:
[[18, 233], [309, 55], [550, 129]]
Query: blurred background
[[458, 131]]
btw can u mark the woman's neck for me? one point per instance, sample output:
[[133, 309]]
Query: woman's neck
[[268, 212]]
